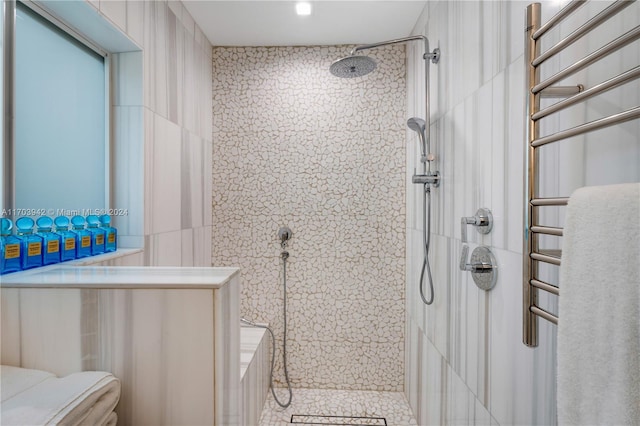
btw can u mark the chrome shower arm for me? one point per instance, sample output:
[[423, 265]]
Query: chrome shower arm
[[434, 56]]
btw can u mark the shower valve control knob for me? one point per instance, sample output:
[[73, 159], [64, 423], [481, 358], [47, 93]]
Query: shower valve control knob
[[483, 221], [483, 265]]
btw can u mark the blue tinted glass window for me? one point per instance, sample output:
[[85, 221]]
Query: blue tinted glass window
[[60, 119]]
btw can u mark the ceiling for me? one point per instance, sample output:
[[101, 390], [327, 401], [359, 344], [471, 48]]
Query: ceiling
[[275, 23]]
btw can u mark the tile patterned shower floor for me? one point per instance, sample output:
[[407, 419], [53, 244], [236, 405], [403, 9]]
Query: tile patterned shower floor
[[343, 407]]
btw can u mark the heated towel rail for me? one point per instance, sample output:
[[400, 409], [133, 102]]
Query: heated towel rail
[[536, 89]]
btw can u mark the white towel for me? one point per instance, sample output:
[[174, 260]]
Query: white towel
[[599, 308], [14, 380], [86, 398]]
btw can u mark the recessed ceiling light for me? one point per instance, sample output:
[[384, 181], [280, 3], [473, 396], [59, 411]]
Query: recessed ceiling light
[[303, 8]]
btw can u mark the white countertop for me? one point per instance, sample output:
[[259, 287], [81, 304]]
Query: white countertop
[[120, 277]]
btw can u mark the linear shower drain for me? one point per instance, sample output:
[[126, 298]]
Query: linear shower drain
[[307, 419]]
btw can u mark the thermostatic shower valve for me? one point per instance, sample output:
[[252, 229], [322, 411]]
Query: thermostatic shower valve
[[483, 265]]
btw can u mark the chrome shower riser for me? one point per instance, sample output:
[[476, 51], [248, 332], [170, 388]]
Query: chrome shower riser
[[357, 66]]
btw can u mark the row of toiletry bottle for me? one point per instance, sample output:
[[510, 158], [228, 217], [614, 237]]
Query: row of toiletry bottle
[[28, 250]]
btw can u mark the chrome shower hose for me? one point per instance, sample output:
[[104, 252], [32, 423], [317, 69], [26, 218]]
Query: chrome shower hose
[[426, 236], [284, 254]]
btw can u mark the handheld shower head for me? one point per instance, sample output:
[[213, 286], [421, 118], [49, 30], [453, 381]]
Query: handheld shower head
[[418, 125]]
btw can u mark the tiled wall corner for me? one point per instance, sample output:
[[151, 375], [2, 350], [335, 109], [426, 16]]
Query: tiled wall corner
[[162, 131], [469, 341]]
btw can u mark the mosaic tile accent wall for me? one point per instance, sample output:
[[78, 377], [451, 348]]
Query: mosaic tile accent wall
[[295, 146]]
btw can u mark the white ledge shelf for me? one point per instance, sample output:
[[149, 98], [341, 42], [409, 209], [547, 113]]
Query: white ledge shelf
[[121, 277]]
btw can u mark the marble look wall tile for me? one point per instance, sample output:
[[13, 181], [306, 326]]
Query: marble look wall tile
[[437, 322], [150, 47], [116, 11], [164, 32], [480, 120], [469, 335], [193, 195], [127, 78], [485, 159], [155, 82], [47, 344], [176, 7], [188, 328], [437, 215], [469, 18], [458, 176], [434, 386], [127, 175], [206, 117], [207, 177], [163, 249], [187, 247], [162, 353], [412, 363], [226, 306], [498, 171], [490, 38], [135, 21], [202, 244], [414, 267], [187, 21], [254, 382], [189, 84], [481, 416], [201, 73], [174, 46], [9, 315], [447, 172], [515, 153], [136, 259], [511, 363], [458, 400], [164, 177]]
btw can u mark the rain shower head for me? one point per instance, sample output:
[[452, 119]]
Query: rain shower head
[[418, 125], [352, 66]]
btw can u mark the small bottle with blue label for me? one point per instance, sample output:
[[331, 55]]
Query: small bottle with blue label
[[10, 248], [68, 238], [51, 241], [111, 239], [83, 237], [31, 243], [97, 234]]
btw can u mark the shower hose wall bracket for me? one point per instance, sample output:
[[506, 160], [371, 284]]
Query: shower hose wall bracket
[[431, 178], [434, 56]]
